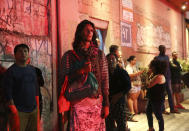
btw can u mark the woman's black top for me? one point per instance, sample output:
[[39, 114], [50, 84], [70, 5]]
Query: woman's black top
[[157, 92]]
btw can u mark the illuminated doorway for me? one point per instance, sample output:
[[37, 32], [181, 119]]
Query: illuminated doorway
[[101, 34]]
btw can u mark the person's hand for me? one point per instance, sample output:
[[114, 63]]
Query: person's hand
[[14, 120], [12, 109], [105, 111], [149, 71], [64, 116], [140, 72]]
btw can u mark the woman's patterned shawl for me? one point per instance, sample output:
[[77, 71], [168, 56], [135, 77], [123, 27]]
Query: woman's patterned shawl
[[99, 68]]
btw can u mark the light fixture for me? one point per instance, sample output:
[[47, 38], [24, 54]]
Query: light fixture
[[184, 5]]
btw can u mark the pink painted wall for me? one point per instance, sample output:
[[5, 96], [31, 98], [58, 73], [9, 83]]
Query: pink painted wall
[[67, 19], [104, 12], [155, 24]]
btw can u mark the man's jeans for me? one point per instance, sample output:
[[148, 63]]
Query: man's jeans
[[170, 97]]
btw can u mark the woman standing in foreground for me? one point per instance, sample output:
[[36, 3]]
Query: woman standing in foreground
[[156, 94], [87, 114]]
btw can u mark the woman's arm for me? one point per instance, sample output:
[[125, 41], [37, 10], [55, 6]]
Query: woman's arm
[[130, 72], [105, 84], [136, 74], [157, 79]]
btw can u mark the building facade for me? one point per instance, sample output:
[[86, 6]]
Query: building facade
[[48, 27]]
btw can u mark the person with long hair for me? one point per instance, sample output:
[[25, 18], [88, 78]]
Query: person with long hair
[[87, 114], [132, 96], [155, 93]]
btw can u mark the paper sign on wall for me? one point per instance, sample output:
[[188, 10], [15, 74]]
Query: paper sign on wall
[[126, 39]]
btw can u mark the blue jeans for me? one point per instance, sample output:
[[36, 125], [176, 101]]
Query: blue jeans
[[170, 97], [156, 108]]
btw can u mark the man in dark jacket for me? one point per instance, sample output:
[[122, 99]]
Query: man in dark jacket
[[176, 79], [163, 57], [119, 85]]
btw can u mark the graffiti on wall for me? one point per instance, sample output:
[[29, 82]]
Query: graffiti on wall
[[152, 36], [24, 16], [40, 54]]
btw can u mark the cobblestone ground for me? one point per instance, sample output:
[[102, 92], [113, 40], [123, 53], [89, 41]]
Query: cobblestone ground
[[173, 122]]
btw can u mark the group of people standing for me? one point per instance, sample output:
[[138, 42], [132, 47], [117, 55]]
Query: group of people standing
[[163, 75], [166, 76], [99, 89], [118, 86]]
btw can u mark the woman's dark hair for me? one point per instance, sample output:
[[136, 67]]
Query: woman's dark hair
[[131, 58], [78, 34], [113, 48], [158, 66], [21, 46]]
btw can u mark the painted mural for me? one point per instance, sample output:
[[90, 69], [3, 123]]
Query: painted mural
[[152, 36]]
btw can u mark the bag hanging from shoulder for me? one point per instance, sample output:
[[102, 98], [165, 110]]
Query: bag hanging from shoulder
[[81, 89], [63, 103]]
